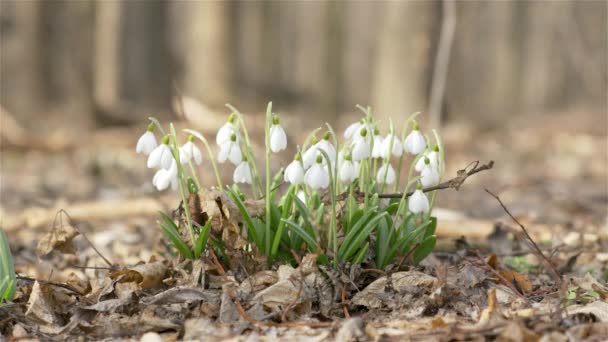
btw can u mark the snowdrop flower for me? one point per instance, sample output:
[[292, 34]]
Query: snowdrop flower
[[386, 169], [225, 132], [301, 196], [317, 176], [161, 156], [190, 151], [429, 174], [348, 170], [310, 155], [165, 177], [433, 157], [397, 148], [414, 143], [377, 148], [278, 138], [327, 146], [242, 173], [361, 147], [147, 142], [294, 173], [353, 128], [230, 151], [418, 202]]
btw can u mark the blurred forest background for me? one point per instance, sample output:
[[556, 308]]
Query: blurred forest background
[[100, 63]]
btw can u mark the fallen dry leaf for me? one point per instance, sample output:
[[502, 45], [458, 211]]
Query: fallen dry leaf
[[59, 239], [146, 275], [372, 295]]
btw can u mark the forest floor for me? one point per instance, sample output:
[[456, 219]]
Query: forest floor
[[485, 279]]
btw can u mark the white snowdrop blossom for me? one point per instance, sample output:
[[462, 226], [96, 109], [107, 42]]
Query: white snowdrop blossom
[[361, 148], [294, 173], [190, 151], [433, 157], [165, 177], [353, 129], [327, 147], [397, 148], [310, 155], [242, 173], [225, 132], [348, 170], [377, 148], [147, 142], [161, 156], [414, 143], [387, 172], [418, 202], [230, 151], [278, 138], [317, 176], [429, 174]]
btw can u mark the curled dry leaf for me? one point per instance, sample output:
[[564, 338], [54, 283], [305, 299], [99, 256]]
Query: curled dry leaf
[[59, 239], [599, 309], [83, 286], [372, 295], [40, 306], [145, 275]]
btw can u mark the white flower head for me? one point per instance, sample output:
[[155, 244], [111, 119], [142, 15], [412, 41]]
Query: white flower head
[[377, 147], [310, 155], [348, 170], [294, 173], [414, 143], [361, 148], [278, 138], [386, 172], [433, 157], [165, 177], [161, 156], [230, 151], [418, 202], [190, 151], [429, 174], [397, 147], [326, 146], [242, 173], [225, 132], [317, 176], [353, 129], [147, 142]]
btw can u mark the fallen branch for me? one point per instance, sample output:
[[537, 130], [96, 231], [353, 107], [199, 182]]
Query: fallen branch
[[538, 251], [52, 283]]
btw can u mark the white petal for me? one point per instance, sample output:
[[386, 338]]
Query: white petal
[[397, 148], [377, 149], [309, 157], [429, 176], [387, 171], [414, 142], [146, 143], [196, 154], [348, 172], [225, 133], [328, 148], [301, 196], [160, 157], [418, 202], [294, 173], [360, 150], [242, 173], [352, 129], [278, 138], [235, 155], [433, 160], [317, 177]]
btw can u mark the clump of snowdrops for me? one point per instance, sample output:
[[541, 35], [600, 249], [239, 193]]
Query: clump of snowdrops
[[326, 201]]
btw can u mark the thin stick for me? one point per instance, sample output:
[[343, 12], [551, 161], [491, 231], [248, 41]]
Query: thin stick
[[293, 302], [47, 282], [539, 252], [343, 298]]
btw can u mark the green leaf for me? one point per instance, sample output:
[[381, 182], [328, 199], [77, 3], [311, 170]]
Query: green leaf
[[285, 212], [251, 228], [361, 254], [171, 231], [430, 230], [309, 239], [201, 241], [384, 235], [424, 248], [7, 270], [356, 229], [357, 242]]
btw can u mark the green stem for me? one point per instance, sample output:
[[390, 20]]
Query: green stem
[[180, 182], [268, 175]]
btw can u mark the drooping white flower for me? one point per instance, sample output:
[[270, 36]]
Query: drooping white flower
[[418, 202], [397, 148], [242, 173], [348, 170], [387, 172], [414, 143], [190, 151], [294, 173], [317, 176], [429, 175], [361, 148], [377, 148], [310, 155], [326, 146], [165, 177], [147, 142], [161, 156], [353, 129], [230, 151], [225, 132], [433, 157], [278, 138]]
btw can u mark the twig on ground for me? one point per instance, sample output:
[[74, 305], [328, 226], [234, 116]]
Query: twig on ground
[[217, 262], [293, 302], [538, 251], [503, 279], [52, 283], [344, 305]]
